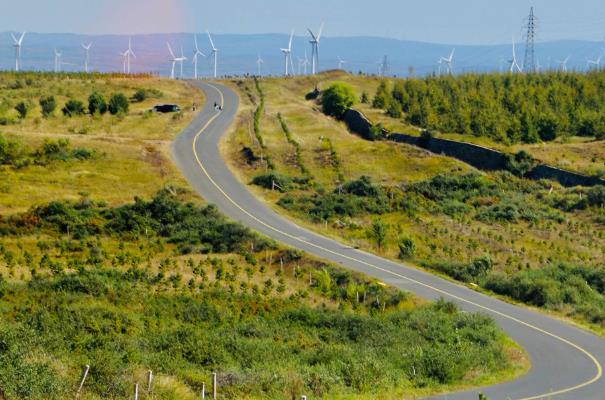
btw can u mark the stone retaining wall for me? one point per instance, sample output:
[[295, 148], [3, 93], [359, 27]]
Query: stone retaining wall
[[477, 156]]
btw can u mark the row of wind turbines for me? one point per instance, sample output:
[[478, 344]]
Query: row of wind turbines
[[444, 63], [515, 67]]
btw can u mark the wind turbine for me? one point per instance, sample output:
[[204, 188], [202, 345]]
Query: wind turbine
[[513, 62], [563, 64], [340, 62], [214, 53], [58, 62], [175, 60], [196, 55], [259, 64], [447, 62], [86, 48], [305, 63], [594, 64], [17, 45], [315, 49], [127, 54], [288, 54]]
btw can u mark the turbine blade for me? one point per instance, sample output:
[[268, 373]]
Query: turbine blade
[[211, 42], [312, 35], [14, 38], [170, 50], [321, 28], [291, 37]]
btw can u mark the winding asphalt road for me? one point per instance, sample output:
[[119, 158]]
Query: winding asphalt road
[[566, 361]]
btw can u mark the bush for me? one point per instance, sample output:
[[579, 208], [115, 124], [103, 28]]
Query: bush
[[73, 108], [407, 248], [519, 164], [23, 109], [118, 104], [273, 181], [48, 105], [97, 104], [596, 196], [139, 96], [394, 110], [472, 272], [337, 99], [376, 132]]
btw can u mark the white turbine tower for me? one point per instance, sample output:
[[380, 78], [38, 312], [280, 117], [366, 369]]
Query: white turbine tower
[[58, 62], [447, 62], [86, 48], [127, 54], [341, 62], [17, 46], [594, 64], [563, 64], [259, 65], [214, 53], [305, 63], [315, 49], [513, 62], [175, 60], [288, 54], [196, 55]]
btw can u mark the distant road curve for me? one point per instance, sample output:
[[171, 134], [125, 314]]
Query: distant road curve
[[566, 361]]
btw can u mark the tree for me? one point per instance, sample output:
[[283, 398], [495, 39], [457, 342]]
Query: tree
[[364, 98], [73, 108], [337, 99], [394, 109], [379, 232], [97, 104], [48, 105], [382, 97], [548, 127], [22, 108], [118, 104]]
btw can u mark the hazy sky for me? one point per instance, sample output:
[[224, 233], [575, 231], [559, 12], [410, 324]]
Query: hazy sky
[[444, 21]]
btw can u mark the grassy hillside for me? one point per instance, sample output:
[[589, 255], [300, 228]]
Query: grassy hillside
[[107, 259], [132, 149], [402, 202]]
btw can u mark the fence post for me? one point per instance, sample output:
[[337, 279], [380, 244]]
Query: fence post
[[84, 375], [203, 390], [136, 391], [214, 388], [149, 380]]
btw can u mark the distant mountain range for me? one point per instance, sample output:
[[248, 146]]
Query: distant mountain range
[[238, 53]]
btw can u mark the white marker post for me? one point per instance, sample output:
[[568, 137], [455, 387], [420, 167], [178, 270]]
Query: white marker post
[[149, 380], [84, 375], [136, 391], [203, 391], [214, 388]]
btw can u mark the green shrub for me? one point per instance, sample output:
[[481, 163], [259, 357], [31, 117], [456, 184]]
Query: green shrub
[[23, 109], [407, 248], [469, 272], [337, 99], [48, 105], [519, 164], [73, 108], [118, 104], [97, 104]]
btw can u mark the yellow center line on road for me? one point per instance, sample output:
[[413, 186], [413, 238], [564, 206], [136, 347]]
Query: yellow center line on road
[[599, 368]]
